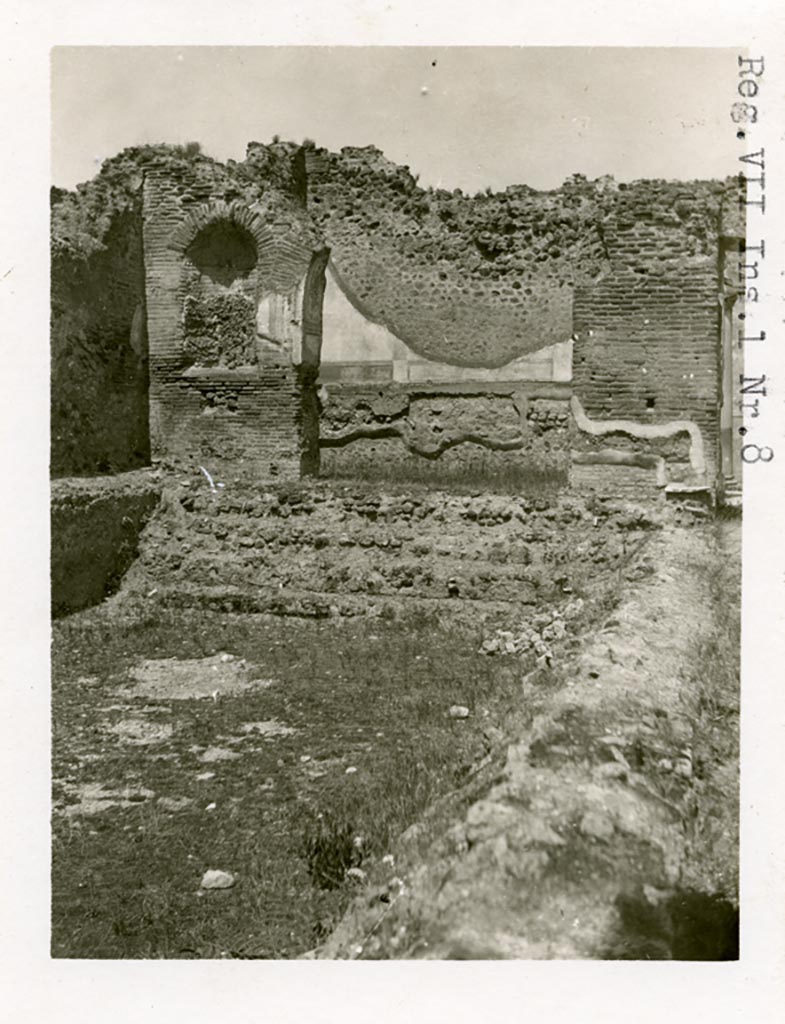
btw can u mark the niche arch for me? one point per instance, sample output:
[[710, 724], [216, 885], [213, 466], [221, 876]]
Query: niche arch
[[218, 210], [224, 251]]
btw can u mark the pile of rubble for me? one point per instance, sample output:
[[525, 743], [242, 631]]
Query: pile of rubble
[[544, 629], [322, 549]]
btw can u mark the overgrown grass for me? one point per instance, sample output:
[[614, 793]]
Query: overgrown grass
[[288, 818], [503, 479], [713, 828]]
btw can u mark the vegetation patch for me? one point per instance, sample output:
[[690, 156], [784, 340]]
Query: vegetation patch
[[514, 477], [298, 814]]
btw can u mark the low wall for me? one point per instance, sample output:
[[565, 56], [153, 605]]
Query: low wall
[[479, 428], [326, 549], [96, 524], [472, 432]]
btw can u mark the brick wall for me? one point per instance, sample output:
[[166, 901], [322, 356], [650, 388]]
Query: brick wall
[[228, 390], [648, 331], [631, 271], [234, 423]]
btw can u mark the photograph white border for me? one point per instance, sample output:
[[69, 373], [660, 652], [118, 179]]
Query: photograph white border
[[35, 988]]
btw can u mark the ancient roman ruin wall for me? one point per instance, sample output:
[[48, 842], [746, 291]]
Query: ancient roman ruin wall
[[232, 268], [102, 277], [623, 278], [99, 402], [459, 332], [471, 281], [99, 386], [647, 333], [446, 431]]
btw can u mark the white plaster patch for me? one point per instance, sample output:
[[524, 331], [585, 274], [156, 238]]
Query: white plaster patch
[[213, 754], [269, 729], [193, 678], [140, 731], [643, 430], [93, 798]]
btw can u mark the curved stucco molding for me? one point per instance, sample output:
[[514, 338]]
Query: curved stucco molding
[[644, 431], [405, 434]]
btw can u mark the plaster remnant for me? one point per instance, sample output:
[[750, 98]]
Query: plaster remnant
[[648, 431], [192, 678]]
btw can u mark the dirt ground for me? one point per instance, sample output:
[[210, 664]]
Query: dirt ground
[[284, 755], [542, 777], [611, 829]]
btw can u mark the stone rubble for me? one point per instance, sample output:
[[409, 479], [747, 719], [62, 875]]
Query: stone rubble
[[544, 629], [319, 549]]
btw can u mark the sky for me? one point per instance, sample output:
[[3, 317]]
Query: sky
[[460, 117]]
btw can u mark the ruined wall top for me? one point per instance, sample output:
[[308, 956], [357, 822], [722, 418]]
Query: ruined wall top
[[476, 281], [481, 280], [270, 180]]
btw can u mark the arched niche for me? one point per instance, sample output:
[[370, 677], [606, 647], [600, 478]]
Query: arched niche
[[223, 251]]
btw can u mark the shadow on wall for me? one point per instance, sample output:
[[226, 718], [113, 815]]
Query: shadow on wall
[[99, 360], [95, 534], [223, 251]]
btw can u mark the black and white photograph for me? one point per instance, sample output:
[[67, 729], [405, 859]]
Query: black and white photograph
[[409, 407], [396, 506]]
